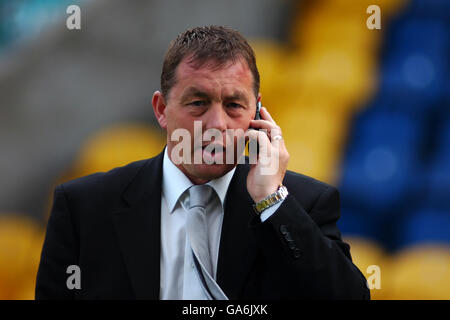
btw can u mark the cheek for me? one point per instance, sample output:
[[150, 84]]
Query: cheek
[[243, 122], [180, 126], [175, 120]]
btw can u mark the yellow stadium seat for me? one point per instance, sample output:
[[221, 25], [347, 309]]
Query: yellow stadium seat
[[388, 7], [21, 242], [269, 56], [422, 272], [115, 146], [374, 263], [112, 146], [26, 290], [336, 52], [344, 77], [314, 138], [317, 15], [335, 28]]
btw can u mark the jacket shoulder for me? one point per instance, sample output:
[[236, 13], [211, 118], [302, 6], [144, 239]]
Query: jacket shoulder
[[305, 189], [113, 180]]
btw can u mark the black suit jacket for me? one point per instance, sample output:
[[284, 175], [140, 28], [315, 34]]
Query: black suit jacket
[[108, 224]]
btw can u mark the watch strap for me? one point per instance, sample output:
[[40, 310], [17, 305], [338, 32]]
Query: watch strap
[[271, 199]]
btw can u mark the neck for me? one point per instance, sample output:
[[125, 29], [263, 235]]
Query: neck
[[195, 179]]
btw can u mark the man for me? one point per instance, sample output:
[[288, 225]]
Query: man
[[172, 227]]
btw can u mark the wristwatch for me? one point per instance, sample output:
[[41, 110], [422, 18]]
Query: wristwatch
[[271, 199]]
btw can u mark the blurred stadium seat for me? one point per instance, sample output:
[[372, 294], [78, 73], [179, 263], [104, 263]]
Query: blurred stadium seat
[[115, 146], [340, 20], [381, 157], [438, 183], [365, 255], [439, 9], [395, 174], [314, 85], [269, 57], [421, 272], [110, 147], [314, 137], [414, 70], [425, 226], [354, 223], [21, 240], [344, 75]]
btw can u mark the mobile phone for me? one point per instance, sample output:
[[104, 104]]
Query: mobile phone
[[258, 110], [257, 117], [257, 113]]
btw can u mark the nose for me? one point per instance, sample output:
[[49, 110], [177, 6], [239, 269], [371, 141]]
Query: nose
[[216, 118]]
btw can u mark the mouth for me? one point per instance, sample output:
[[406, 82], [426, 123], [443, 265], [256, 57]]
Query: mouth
[[213, 153], [214, 146]]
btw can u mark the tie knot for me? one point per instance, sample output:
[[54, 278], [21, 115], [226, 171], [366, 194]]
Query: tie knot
[[199, 195]]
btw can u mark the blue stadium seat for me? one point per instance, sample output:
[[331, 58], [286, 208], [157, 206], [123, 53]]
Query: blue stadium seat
[[427, 34], [414, 69], [381, 160], [430, 8], [438, 183], [354, 223], [444, 140], [425, 226]]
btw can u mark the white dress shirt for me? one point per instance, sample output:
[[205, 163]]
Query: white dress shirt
[[179, 279]]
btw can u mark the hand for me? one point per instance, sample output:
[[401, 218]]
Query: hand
[[267, 174]]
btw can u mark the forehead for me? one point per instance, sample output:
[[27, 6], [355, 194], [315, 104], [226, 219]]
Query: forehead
[[233, 76]]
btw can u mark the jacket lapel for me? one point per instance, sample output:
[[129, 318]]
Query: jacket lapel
[[238, 248], [138, 228]]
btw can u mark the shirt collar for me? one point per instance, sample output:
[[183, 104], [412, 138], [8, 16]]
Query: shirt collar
[[175, 183]]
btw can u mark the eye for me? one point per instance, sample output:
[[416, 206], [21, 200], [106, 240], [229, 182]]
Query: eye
[[197, 103], [234, 105]]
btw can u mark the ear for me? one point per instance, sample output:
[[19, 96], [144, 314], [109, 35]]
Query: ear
[[159, 108], [258, 98]]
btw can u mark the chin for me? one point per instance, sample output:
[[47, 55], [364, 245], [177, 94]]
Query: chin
[[210, 171]]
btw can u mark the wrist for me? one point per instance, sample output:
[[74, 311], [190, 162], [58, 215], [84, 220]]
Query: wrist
[[272, 199], [265, 194]]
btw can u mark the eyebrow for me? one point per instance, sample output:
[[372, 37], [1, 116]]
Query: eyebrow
[[195, 92], [238, 95]]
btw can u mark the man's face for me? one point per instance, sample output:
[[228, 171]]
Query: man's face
[[221, 99]]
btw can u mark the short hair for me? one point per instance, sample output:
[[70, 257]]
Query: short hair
[[219, 44]]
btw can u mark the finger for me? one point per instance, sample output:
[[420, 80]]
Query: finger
[[260, 136], [275, 135], [258, 142], [263, 124], [266, 115], [271, 129], [256, 134]]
